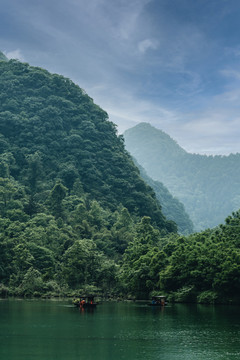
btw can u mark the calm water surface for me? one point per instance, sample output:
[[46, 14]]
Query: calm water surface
[[48, 330]]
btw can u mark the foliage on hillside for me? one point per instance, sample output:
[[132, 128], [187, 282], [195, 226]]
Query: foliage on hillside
[[46, 254], [202, 267], [51, 130], [69, 192], [208, 186]]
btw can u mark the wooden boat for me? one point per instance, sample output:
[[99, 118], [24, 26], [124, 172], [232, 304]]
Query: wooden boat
[[158, 301], [85, 302]]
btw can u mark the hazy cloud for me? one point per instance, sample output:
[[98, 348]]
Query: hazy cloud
[[147, 44], [231, 73], [14, 54]]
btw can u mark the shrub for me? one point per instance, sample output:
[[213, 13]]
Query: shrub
[[207, 297]]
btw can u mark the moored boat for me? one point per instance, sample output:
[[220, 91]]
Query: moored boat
[[158, 301], [84, 302]]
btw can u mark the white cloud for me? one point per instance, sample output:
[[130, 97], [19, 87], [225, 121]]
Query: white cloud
[[147, 44], [128, 17], [15, 54], [126, 109], [214, 131], [231, 73]]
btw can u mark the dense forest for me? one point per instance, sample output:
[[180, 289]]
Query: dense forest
[[208, 186], [75, 214]]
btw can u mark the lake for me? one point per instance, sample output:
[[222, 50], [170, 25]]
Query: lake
[[48, 330]]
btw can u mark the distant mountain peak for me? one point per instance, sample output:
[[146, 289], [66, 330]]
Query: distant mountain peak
[[149, 135]]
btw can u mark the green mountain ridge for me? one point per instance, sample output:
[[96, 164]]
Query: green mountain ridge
[[208, 186]]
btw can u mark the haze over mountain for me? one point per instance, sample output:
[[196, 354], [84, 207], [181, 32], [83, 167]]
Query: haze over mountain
[[172, 208], [208, 186]]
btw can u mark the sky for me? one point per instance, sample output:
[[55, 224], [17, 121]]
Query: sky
[[172, 63]]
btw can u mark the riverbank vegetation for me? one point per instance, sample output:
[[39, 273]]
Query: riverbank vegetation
[[110, 255], [75, 214]]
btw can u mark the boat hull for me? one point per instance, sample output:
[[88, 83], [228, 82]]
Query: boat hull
[[85, 306]]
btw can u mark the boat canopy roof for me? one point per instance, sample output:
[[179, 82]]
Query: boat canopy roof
[[159, 297], [89, 296]]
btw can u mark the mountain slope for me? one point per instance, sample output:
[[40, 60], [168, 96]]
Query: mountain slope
[[172, 208], [208, 186], [51, 130]]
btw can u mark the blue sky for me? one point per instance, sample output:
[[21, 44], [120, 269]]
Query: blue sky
[[172, 63]]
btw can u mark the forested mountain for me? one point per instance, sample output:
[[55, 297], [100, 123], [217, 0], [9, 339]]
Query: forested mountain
[[52, 131], [172, 208], [208, 186], [75, 215], [70, 194]]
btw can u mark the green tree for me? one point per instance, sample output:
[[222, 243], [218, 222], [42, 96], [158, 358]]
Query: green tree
[[32, 283], [79, 263], [57, 195]]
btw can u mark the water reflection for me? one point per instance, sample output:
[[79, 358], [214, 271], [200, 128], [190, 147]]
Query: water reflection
[[47, 330]]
